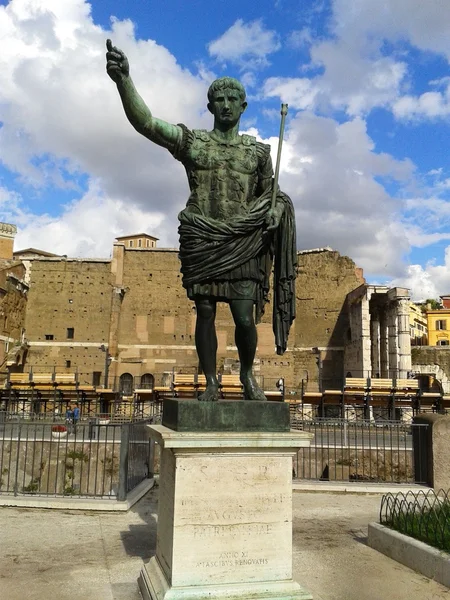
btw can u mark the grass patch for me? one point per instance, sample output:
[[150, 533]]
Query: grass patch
[[430, 524]]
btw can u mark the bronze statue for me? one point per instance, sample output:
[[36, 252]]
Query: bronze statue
[[230, 232]]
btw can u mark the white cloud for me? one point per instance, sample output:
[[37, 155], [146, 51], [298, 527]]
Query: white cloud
[[355, 72], [246, 44], [87, 226], [330, 170], [61, 114], [429, 281], [430, 105]]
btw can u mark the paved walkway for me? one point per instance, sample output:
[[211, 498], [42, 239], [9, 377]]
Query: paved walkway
[[62, 555]]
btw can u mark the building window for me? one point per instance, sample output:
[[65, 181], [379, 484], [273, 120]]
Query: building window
[[139, 243], [130, 243], [126, 384], [68, 364], [147, 381], [96, 375], [49, 336], [441, 324], [442, 343], [70, 332]]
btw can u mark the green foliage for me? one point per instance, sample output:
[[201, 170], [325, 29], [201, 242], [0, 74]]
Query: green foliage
[[431, 526], [32, 487], [435, 304], [74, 455]]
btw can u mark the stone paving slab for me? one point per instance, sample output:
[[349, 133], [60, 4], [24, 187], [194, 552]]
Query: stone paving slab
[[63, 555]]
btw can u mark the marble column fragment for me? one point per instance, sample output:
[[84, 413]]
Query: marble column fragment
[[404, 338], [392, 340], [384, 355], [375, 343]]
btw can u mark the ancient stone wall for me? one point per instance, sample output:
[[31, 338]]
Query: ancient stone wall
[[152, 326], [68, 295], [323, 282], [13, 301], [433, 360]]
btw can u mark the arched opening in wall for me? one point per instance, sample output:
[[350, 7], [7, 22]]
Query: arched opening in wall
[[147, 381], [429, 384], [126, 384]]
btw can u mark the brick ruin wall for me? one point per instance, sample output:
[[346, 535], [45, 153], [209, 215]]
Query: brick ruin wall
[[155, 329], [68, 294]]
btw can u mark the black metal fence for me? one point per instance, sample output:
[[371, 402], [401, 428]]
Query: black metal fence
[[91, 459], [421, 515], [367, 451]]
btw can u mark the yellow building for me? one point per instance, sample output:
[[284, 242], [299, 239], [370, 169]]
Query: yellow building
[[439, 325], [418, 325]]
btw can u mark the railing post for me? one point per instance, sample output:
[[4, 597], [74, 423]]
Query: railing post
[[16, 474], [123, 461]]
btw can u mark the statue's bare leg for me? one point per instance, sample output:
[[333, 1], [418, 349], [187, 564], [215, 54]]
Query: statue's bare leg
[[206, 344], [246, 340]]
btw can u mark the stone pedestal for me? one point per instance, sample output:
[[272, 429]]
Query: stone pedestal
[[225, 517]]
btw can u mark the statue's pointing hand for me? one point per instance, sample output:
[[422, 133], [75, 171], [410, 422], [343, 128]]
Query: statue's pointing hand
[[117, 65]]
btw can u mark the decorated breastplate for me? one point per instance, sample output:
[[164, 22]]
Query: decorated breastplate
[[222, 176]]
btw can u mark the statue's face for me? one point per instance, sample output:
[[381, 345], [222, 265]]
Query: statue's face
[[227, 106]]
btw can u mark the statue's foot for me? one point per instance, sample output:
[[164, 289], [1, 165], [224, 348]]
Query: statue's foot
[[211, 394], [252, 391]]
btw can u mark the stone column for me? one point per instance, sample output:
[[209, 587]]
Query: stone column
[[404, 338], [392, 340], [366, 363], [384, 356], [375, 343]]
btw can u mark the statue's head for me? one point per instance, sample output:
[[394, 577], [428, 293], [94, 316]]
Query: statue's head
[[226, 83], [226, 100]]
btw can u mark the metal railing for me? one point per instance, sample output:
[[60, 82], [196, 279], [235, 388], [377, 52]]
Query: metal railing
[[421, 515], [94, 458], [369, 451]]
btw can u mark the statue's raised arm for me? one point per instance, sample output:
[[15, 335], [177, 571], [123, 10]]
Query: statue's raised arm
[[158, 131]]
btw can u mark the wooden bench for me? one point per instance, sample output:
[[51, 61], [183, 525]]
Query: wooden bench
[[162, 391], [230, 385], [185, 384], [445, 402], [19, 379], [42, 379], [331, 396], [313, 397], [66, 379], [275, 395], [405, 389], [356, 389], [381, 391]]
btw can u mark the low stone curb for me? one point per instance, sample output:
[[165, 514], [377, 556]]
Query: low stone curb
[[412, 553], [65, 503], [344, 487]]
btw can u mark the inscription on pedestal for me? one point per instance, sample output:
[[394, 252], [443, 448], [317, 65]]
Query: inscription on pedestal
[[232, 519]]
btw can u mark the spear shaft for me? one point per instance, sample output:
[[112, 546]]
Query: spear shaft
[[284, 111]]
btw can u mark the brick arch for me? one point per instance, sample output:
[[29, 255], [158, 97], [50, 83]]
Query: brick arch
[[438, 373]]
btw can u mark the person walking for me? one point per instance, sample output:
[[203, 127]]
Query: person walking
[[69, 419]]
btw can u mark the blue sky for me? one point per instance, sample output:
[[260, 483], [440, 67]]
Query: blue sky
[[365, 159]]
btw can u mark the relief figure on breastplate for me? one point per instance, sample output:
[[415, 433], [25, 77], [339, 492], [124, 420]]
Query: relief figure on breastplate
[[231, 216]]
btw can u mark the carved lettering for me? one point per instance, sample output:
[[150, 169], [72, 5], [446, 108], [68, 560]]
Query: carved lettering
[[238, 562], [233, 530]]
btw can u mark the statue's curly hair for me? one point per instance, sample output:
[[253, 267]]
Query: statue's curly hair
[[226, 83]]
